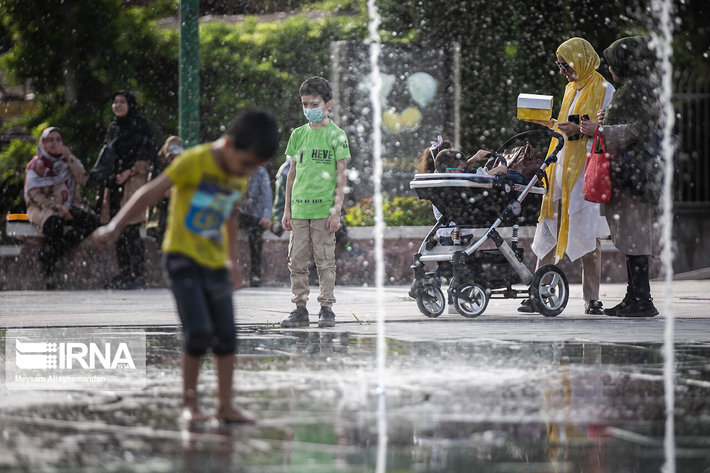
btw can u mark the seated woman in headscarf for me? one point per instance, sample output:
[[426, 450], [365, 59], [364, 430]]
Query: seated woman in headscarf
[[52, 182]]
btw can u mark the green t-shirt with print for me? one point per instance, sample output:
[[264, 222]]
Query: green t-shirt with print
[[315, 153]]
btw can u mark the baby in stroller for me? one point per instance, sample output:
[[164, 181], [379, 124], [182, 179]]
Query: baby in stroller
[[486, 163], [428, 164], [441, 157]]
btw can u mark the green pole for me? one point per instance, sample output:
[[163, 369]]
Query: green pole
[[189, 81]]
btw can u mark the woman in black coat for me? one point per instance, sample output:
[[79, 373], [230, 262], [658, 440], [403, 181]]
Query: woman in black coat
[[131, 138], [630, 123]]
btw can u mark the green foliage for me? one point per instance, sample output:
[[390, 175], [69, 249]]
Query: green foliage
[[338, 6], [398, 211], [75, 54], [510, 48], [13, 160], [262, 64], [107, 47]]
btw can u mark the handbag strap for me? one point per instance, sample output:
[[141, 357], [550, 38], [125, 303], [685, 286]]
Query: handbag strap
[[598, 147], [598, 144]]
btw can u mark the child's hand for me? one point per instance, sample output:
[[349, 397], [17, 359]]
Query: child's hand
[[235, 274], [478, 159], [333, 223], [105, 236], [286, 221]]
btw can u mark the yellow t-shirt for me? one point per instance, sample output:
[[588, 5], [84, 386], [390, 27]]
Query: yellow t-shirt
[[202, 199]]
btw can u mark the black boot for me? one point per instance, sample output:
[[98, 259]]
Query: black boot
[[642, 304], [639, 308], [629, 298], [52, 249]]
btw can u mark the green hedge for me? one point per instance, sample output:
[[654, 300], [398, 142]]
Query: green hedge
[[398, 211]]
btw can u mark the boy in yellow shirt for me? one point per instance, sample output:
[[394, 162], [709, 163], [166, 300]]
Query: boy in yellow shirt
[[207, 182]]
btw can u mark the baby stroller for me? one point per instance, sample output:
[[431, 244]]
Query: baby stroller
[[478, 275]]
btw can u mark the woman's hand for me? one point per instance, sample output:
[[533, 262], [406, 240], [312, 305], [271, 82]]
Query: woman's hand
[[547, 123], [64, 151], [569, 128], [588, 127], [600, 115], [123, 176], [63, 211]]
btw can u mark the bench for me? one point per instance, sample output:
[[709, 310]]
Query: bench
[[17, 226]]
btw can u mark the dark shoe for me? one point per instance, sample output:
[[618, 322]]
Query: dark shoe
[[354, 251], [117, 282], [614, 311], [639, 308], [326, 317], [527, 307], [255, 281], [135, 283], [593, 307], [297, 318]]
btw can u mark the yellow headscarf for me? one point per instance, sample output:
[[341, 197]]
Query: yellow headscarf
[[580, 55]]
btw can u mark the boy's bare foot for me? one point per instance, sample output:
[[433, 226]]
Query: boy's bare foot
[[193, 417], [234, 415]]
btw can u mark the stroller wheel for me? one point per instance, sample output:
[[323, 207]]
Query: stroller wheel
[[549, 290], [430, 300], [471, 301]]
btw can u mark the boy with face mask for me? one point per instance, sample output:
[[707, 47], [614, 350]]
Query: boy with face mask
[[315, 190]]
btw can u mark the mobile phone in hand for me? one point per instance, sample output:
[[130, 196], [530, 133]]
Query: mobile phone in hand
[[574, 119]]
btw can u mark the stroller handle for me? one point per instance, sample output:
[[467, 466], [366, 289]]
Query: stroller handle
[[551, 158], [547, 132]]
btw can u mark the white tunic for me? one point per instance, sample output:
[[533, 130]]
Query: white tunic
[[585, 222]]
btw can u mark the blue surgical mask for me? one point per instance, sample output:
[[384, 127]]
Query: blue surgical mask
[[314, 115]]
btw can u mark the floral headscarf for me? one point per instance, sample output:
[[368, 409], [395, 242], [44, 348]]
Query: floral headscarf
[[45, 170]]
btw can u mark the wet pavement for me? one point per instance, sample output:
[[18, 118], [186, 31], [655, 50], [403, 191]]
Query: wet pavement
[[503, 392]]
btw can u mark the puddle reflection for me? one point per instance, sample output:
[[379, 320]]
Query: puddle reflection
[[454, 407]]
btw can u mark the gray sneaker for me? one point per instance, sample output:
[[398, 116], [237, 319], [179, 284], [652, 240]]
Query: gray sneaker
[[326, 317], [297, 318]]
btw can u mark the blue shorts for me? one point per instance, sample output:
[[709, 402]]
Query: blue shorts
[[204, 302]]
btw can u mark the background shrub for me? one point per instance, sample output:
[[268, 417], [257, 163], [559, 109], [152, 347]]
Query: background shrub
[[398, 211]]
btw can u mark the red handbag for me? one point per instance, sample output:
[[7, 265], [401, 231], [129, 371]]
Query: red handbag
[[597, 175]]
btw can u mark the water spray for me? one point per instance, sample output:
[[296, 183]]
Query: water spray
[[375, 50]]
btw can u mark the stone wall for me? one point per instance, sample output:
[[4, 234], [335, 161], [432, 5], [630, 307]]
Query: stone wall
[[90, 268]]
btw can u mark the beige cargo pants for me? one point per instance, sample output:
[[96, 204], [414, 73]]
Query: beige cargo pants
[[309, 237]]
